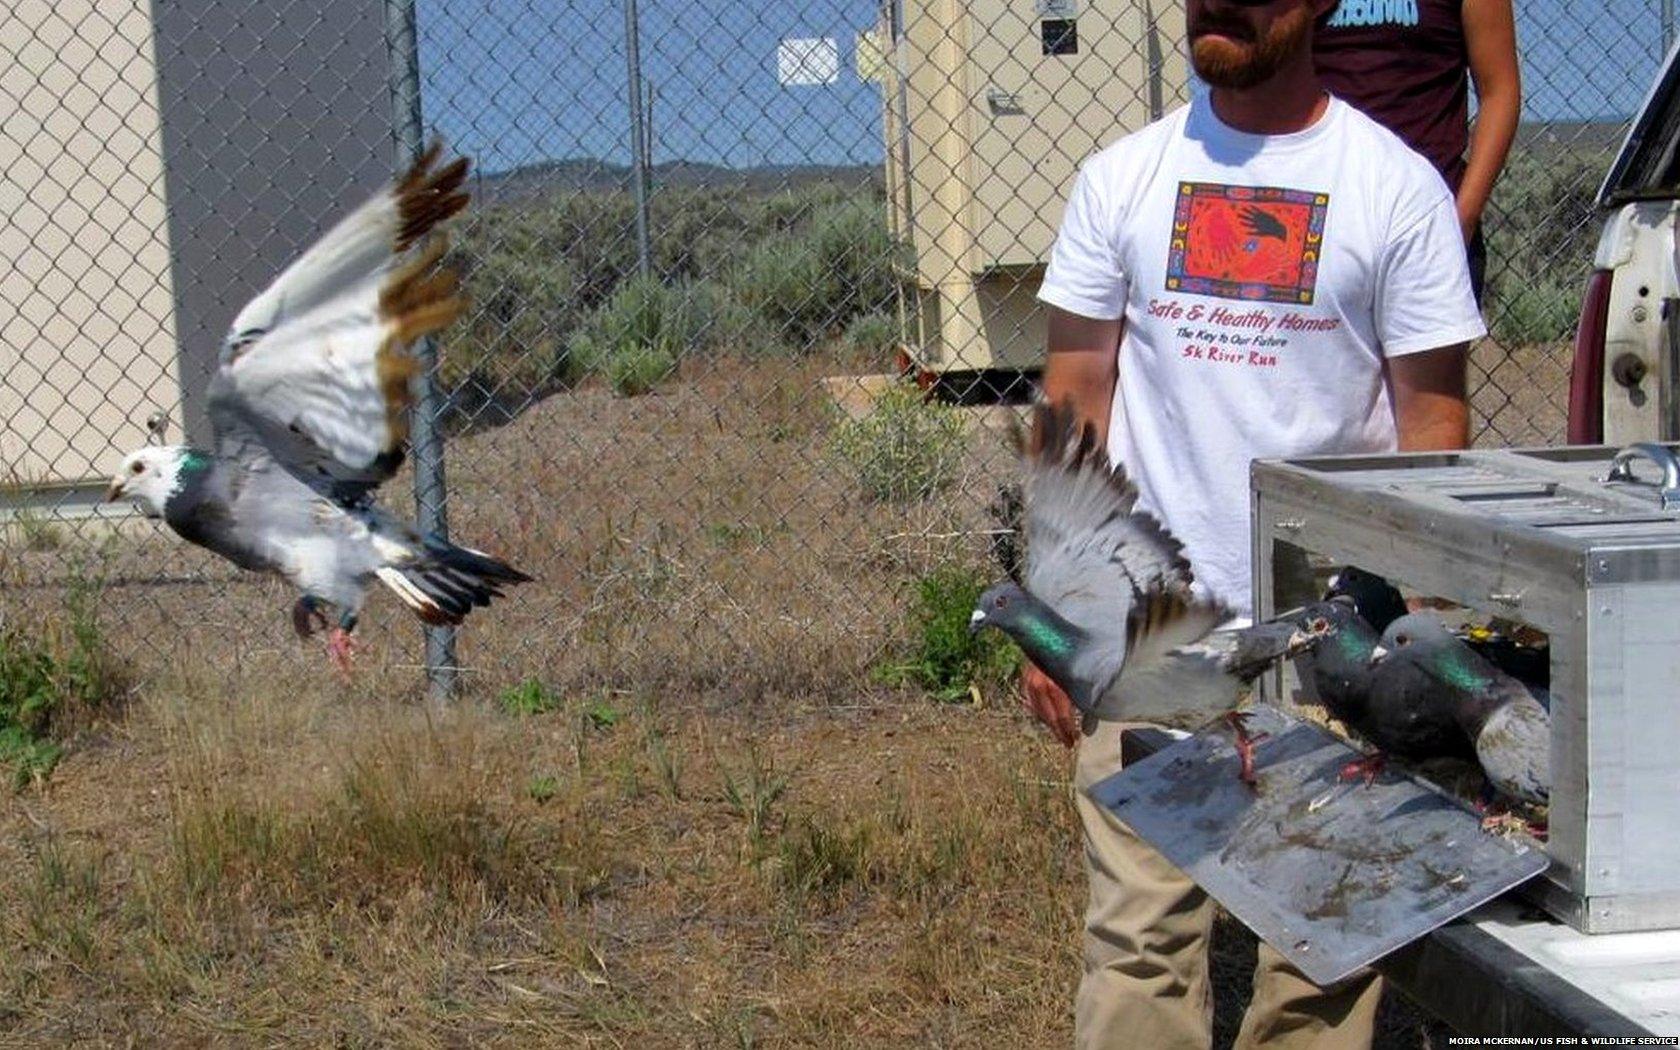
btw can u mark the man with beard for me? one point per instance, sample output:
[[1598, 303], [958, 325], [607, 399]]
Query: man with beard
[[1265, 272]]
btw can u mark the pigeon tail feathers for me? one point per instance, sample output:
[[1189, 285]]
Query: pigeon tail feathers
[[445, 582]]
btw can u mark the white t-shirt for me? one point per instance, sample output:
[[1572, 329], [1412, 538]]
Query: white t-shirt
[[1263, 279]]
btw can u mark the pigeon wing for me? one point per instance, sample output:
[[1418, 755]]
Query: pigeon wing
[[1090, 552], [1515, 745], [364, 243], [1174, 674], [317, 367]]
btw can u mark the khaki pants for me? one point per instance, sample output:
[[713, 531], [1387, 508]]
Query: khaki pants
[[1147, 929]]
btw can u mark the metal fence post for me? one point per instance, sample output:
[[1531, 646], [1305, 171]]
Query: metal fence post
[[426, 438], [638, 137]]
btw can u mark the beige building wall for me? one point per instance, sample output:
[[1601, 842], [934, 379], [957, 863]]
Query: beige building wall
[[995, 131], [87, 331]]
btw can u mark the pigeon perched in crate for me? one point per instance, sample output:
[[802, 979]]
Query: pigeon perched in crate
[[1403, 717], [1514, 648], [1106, 607], [1378, 602], [309, 414], [1419, 660]]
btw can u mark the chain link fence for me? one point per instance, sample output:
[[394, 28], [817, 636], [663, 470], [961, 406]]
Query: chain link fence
[[705, 238]]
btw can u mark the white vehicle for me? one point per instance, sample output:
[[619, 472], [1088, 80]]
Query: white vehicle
[[1625, 381]]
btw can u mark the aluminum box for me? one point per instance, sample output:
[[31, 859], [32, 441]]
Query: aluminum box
[[1537, 535]]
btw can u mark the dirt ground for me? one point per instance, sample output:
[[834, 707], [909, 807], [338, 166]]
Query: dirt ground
[[714, 827]]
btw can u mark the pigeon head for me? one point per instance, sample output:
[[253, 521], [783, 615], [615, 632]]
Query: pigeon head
[[149, 476], [1048, 639], [1376, 600], [1001, 606], [1419, 634]]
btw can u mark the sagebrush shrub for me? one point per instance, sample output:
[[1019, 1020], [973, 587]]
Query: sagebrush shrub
[[906, 449]]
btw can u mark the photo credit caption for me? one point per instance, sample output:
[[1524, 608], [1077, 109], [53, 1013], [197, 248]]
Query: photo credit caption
[[1563, 1040]]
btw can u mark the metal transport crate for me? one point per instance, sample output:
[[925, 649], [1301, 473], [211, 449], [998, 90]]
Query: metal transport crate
[[1580, 542]]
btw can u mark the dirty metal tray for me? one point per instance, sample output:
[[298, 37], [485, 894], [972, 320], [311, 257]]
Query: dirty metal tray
[[1332, 874]]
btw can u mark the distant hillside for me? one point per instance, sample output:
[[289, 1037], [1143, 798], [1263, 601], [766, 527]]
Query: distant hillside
[[587, 174], [1600, 135]]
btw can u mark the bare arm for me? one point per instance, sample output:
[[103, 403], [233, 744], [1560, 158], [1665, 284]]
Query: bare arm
[[1431, 410], [1083, 364], [1490, 37]]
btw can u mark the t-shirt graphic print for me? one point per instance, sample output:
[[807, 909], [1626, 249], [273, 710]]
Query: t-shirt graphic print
[[1245, 242], [1263, 282]]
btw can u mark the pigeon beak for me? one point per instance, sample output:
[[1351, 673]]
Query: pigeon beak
[[115, 491], [1377, 655], [976, 620]]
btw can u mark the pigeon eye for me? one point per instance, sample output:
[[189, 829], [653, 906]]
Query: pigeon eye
[[1402, 639], [1320, 624], [137, 468], [1002, 601]]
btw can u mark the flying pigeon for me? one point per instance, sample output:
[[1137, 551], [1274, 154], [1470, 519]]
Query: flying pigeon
[[309, 413], [1105, 606], [1508, 728]]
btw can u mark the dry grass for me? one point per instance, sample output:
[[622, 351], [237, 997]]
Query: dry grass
[[324, 871], [717, 828]]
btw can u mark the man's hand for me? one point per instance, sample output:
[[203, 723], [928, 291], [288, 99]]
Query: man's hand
[[1049, 704]]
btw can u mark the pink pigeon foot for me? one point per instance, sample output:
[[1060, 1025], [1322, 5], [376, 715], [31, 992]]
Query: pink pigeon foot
[[1368, 767], [1499, 820], [341, 647], [1245, 745]]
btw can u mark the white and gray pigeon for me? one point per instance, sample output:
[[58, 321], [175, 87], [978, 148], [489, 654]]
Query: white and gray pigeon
[[1504, 722], [309, 414], [1106, 607]]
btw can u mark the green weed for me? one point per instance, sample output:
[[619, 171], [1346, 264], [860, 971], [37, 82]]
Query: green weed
[[945, 657], [542, 788], [810, 285], [752, 793], [530, 697], [51, 678]]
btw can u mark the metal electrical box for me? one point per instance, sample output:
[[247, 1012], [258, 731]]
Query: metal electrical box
[[991, 106], [1582, 543]]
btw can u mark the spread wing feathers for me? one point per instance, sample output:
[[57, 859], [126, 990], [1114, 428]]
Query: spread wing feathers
[[1165, 620], [1178, 671], [364, 243], [328, 392], [1090, 552]]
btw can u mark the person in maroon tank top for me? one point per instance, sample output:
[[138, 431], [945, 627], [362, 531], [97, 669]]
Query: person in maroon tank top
[[1409, 64]]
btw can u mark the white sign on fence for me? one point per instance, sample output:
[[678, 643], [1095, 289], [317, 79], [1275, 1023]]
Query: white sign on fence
[[808, 60]]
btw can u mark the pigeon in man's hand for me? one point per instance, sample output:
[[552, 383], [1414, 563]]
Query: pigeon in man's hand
[[309, 414], [1106, 608], [1508, 729]]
